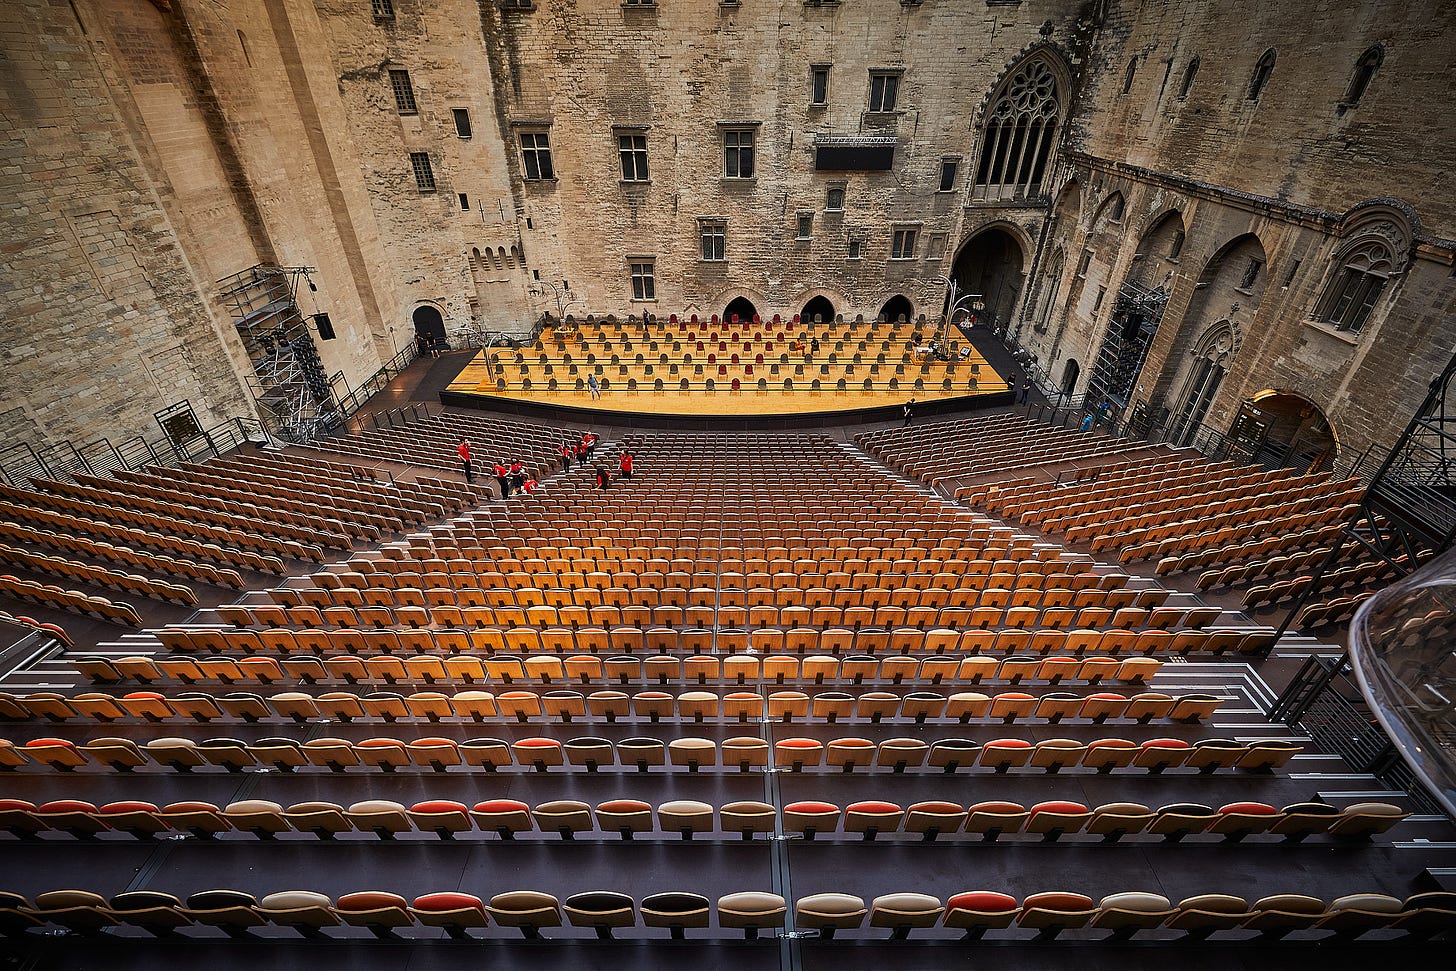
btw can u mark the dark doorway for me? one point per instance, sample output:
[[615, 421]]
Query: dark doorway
[[990, 266], [817, 311], [896, 308], [742, 307], [1070, 374], [430, 325]]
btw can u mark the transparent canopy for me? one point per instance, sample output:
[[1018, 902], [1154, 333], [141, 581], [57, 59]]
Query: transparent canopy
[[1403, 650]]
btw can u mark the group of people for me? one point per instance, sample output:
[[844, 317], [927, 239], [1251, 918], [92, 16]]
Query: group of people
[[624, 470], [511, 476], [580, 450]]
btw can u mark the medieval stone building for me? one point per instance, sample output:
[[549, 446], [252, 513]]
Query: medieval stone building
[[1207, 214]]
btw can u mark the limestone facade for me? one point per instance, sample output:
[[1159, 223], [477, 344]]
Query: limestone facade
[[154, 147]]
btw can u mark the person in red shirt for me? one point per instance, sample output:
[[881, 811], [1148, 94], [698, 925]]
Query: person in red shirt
[[530, 486], [518, 475], [464, 451], [581, 453], [625, 464], [502, 476], [604, 478], [567, 451]]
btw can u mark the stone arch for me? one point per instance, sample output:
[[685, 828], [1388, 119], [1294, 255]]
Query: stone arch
[[992, 263], [1284, 425], [429, 322], [741, 306], [1048, 288], [1068, 208], [1158, 250], [1071, 371], [818, 306], [897, 306], [1111, 210]]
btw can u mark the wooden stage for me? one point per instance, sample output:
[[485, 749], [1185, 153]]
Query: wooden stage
[[476, 386]]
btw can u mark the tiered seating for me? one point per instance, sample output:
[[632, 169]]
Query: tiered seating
[[761, 663], [432, 442], [686, 354], [947, 453]]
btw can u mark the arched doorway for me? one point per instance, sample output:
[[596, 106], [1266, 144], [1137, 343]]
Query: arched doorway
[[1283, 428], [741, 306], [990, 266], [897, 308], [429, 325], [817, 311], [1070, 374], [1210, 363]]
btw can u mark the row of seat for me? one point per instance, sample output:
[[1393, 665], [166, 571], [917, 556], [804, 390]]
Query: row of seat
[[661, 669], [686, 819], [824, 914], [591, 753], [177, 568], [738, 706], [74, 601], [488, 639], [128, 583]]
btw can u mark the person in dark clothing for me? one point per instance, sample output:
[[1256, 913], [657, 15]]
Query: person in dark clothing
[[1025, 389], [503, 478], [604, 478], [1012, 380], [567, 451], [518, 475], [464, 451], [581, 452], [908, 411]]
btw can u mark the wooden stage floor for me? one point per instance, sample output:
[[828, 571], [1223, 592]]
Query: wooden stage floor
[[476, 381]]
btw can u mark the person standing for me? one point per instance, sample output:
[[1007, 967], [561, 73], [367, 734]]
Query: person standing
[[503, 478], [518, 475], [581, 451], [593, 386], [1025, 389], [909, 412], [1011, 381], [464, 451], [626, 465]]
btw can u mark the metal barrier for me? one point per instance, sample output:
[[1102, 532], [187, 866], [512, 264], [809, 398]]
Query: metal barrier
[[64, 461]]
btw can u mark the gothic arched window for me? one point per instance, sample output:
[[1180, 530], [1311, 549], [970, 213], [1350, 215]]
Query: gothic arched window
[[1365, 69], [1020, 135], [1262, 70], [1362, 270]]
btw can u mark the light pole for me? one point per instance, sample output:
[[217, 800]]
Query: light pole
[[562, 303], [969, 302]]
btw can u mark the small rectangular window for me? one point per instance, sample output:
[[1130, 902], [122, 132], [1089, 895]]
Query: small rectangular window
[[1289, 277], [835, 200], [854, 248], [1251, 273], [884, 86], [424, 174], [464, 202], [404, 92], [632, 149], [643, 287], [738, 153], [536, 156], [819, 85], [806, 225], [1175, 246], [1083, 263], [948, 167], [462, 122], [1101, 295], [902, 246], [325, 327], [935, 246], [713, 236], [384, 9]]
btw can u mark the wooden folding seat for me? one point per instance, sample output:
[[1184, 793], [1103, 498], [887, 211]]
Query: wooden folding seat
[[1427, 914], [745, 752], [1240, 819], [645, 753], [566, 817], [1055, 754], [1138, 670], [1280, 914], [610, 705], [387, 754], [1005, 753], [139, 819], [80, 911], [506, 817], [978, 911], [1115, 820], [157, 913], [1148, 705], [1178, 820], [201, 819], [1052, 912], [260, 817], [1267, 755], [992, 819], [538, 753], [378, 911], [877, 705], [653, 705], [1106, 754], [436, 753], [1128, 912], [828, 913], [1355, 914], [1300, 820], [1364, 820], [382, 817], [591, 752]]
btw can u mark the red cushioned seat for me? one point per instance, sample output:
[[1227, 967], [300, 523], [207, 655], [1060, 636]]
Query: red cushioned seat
[[434, 741], [438, 806], [1249, 809], [1058, 807], [190, 807], [1108, 696], [143, 695], [1015, 696], [381, 743], [67, 806], [879, 807], [624, 806], [501, 806], [1165, 743], [982, 901], [38, 742], [1009, 743], [811, 807], [798, 742], [539, 743], [446, 900], [370, 900], [1060, 900], [12, 805]]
